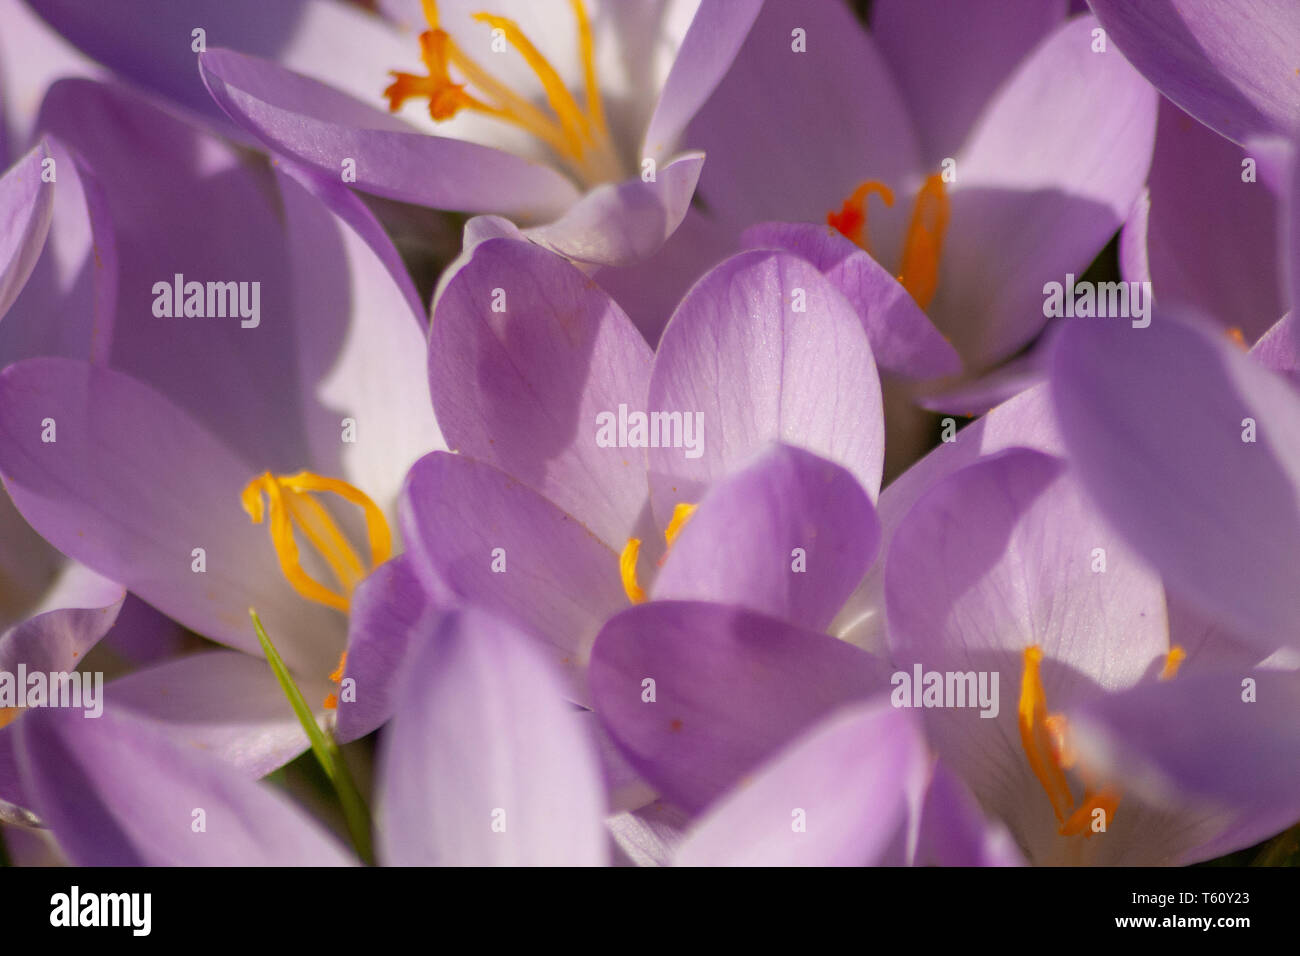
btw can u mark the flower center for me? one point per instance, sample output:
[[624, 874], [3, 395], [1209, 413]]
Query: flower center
[[1045, 739], [919, 269], [632, 550], [292, 508], [577, 134]]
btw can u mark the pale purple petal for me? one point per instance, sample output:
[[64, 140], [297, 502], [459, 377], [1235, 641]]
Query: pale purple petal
[[729, 687], [790, 535], [484, 763], [749, 367], [26, 206], [117, 792], [1155, 420]]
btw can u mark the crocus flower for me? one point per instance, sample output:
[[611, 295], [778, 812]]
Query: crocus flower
[[962, 166], [543, 514], [315, 393], [483, 764], [1194, 460], [544, 112]]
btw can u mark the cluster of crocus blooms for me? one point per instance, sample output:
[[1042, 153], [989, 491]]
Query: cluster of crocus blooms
[[638, 528]]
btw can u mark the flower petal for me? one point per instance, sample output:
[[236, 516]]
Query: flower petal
[[790, 536], [26, 206], [484, 763], [754, 367], [525, 354], [730, 687], [117, 792], [836, 796], [1216, 514]]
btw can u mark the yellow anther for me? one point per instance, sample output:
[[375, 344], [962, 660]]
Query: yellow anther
[[851, 220], [579, 137], [337, 675], [919, 272], [627, 570], [681, 514], [1173, 660], [1106, 800], [7, 715], [292, 508], [1036, 736]]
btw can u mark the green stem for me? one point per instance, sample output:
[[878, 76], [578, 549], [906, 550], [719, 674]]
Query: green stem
[[326, 750]]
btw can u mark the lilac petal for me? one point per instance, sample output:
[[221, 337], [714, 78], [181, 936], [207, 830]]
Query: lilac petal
[[361, 342], [131, 486], [1218, 516], [950, 56], [790, 536], [321, 127], [154, 48], [1279, 348], [619, 224], [982, 394], [954, 831], [752, 370], [76, 276], [650, 290], [484, 763], [993, 559], [225, 703], [790, 135], [117, 791], [1026, 421], [26, 206], [1033, 200], [716, 33], [836, 796], [462, 517], [903, 340], [1208, 230], [57, 640], [1134, 260], [1291, 232], [1229, 63], [1229, 737], [524, 388], [389, 611], [730, 688]]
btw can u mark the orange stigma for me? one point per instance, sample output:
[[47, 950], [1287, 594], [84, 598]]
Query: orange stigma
[[576, 133], [922, 245]]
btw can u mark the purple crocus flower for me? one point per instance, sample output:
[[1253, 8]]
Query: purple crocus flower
[[539, 381], [950, 143], [313, 386], [483, 764], [314, 81], [994, 570]]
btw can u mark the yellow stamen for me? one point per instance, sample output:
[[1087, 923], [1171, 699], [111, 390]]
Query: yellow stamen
[[580, 138], [331, 702], [1173, 660], [851, 220], [1036, 737], [922, 245], [919, 272], [337, 675], [292, 507], [7, 715], [627, 570], [1107, 800], [681, 514], [1238, 338]]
